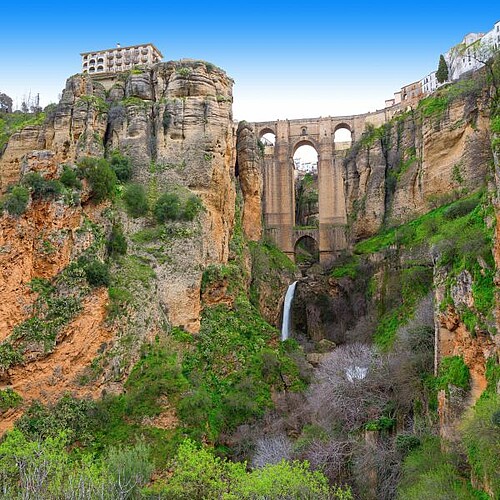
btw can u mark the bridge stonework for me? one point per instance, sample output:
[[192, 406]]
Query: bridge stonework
[[279, 192]]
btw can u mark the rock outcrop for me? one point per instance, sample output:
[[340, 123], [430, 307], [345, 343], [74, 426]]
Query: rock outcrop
[[416, 161], [249, 162]]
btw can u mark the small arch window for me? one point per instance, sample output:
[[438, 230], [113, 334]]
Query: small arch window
[[303, 131]]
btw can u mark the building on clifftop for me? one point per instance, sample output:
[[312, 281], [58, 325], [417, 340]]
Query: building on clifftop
[[120, 58]]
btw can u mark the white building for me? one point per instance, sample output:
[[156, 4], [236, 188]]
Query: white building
[[120, 58], [492, 38], [429, 83], [460, 58]]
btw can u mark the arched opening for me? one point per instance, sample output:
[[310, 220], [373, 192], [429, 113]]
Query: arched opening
[[100, 60], [92, 61], [305, 174], [100, 68], [92, 70], [267, 137], [306, 251], [342, 137]]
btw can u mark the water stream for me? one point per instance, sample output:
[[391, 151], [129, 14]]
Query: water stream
[[287, 307]]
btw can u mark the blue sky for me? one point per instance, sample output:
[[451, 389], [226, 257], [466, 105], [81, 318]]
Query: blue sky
[[288, 59]]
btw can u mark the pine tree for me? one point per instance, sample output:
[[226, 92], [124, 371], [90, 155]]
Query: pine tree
[[442, 71]]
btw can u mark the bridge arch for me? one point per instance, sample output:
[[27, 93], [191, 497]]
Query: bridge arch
[[306, 249], [342, 136], [267, 136], [305, 142]]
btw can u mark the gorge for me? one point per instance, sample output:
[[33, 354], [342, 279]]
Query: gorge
[[150, 252]]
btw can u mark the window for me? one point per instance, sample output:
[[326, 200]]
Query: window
[[304, 131]]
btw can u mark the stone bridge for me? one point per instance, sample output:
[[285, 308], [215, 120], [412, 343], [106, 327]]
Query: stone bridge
[[279, 192]]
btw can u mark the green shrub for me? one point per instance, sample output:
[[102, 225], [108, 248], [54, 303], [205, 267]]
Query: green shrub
[[460, 208], [121, 165], [69, 178], [192, 207], [16, 201], [454, 371], [41, 187], [117, 243], [9, 399], [167, 207], [97, 273], [100, 175], [481, 435], [136, 200]]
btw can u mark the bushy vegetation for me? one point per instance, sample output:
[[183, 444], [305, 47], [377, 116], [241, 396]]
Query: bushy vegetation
[[69, 178], [198, 473], [121, 166], [231, 371], [16, 201], [171, 206], [41, 187], [117, 243], [100, 175], [135, 199], [428, 472], [13, 122], [453, 371]]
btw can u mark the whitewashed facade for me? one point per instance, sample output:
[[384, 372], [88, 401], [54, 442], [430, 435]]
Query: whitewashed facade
[[120, 58]]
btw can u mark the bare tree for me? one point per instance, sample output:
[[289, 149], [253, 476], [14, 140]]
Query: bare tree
[[272, 450], [354, 386]]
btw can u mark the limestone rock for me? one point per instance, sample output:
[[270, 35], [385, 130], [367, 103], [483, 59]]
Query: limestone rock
[[250, 176]]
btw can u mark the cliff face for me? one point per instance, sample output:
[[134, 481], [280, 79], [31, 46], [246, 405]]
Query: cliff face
[[175, 123], [416, 161], [251, 181]]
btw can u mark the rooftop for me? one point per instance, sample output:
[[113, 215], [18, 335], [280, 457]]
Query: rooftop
[[123, 48]]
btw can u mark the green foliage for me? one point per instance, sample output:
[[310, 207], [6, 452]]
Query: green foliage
[[171, 206], [381, 424], [45, 470], [348, 266], [41, 187], [13, 122], [197, 473], [100, 175], [136, 200], [9, 399], [415, 282], [454, 371], [16, 201], [9, 355], [69, 178], [117, 243], [167, 207], [121, 165], [97, 273], [192, 207], [481, 436], [433, 106], [71, 416], [157, 375], [429, 473], [184, 71], [442, 71], [231, 371]]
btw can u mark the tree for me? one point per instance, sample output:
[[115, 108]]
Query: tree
[[442, 71], [100, 175], [5, 103], [136, 200], [168, 207]]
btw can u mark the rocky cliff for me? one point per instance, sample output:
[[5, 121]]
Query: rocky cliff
[[419, 159], [175, 123]]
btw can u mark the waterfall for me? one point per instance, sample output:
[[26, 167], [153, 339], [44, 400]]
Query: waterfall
[[287, 306]]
